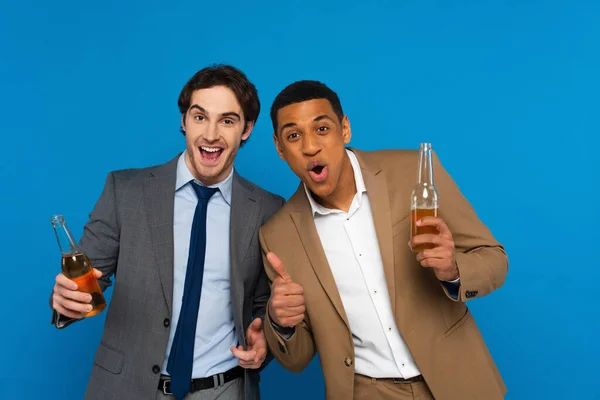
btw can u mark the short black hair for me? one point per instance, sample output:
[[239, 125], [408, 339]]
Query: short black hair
[[305, 90], [230, 77]]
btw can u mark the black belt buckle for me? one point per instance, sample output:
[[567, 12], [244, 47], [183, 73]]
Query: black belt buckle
[[166, 387]]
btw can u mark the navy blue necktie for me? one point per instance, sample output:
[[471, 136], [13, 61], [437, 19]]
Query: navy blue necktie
[[181, 357]]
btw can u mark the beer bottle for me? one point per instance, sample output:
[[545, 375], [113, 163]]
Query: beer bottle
[[424, 197], [77, 266]]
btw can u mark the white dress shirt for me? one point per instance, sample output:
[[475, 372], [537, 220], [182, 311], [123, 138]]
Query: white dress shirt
[[352, 250]]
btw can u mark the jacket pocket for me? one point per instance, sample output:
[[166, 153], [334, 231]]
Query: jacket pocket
[[461, 321], [109, 359]]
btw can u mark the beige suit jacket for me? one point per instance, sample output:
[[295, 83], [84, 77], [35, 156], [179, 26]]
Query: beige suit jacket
[[439, 331]]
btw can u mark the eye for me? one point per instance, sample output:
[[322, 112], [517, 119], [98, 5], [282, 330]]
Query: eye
[[228, 121], [198, 117], [293, 136], [322, 129]]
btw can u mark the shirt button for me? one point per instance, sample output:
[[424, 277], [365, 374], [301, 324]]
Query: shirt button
[[167, 322], [348, 361], [156, 369]]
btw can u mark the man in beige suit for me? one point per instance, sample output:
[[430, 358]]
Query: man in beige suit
[[388, 323]]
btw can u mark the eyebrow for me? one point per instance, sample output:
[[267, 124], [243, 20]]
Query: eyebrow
[[317, 119], [231, 114], [226, 114], [196, 106], [322, 117]]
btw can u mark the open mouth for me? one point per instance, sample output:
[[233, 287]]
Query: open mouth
[[318, 172], [210, 155]]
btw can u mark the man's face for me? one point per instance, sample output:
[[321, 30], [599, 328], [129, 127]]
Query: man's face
[[214, 129], [311, 139]]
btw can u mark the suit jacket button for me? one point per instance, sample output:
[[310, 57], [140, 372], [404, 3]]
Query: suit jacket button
[[167, 322], [156, 369], [348, 361]]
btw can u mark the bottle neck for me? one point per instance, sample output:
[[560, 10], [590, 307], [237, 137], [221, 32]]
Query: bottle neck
[[425, 176], [64, 238]]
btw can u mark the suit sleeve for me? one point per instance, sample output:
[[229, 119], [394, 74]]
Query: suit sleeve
[[100, 241], [262, 292], [481, 259], [294, 352]]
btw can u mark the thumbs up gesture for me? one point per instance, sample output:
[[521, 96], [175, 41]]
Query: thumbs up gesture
[[286, 306]]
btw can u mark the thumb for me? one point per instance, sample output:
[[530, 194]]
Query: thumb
[[256, 325], [278, 266], [97, 273]]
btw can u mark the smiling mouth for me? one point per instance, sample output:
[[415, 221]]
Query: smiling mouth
[[210, 154]]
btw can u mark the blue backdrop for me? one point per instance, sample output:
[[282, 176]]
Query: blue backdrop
[[507, 92]]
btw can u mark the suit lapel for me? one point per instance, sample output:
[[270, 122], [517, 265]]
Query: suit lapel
[[159, 199], [379, 200], [245, 211], [305, 224]]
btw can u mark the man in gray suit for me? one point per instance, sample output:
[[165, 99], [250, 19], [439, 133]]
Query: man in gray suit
[[186, 314]]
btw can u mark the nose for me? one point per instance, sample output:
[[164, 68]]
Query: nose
[[212, 133], [310, 145]]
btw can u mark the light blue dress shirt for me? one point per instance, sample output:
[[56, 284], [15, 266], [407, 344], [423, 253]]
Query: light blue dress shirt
[[215, 330]]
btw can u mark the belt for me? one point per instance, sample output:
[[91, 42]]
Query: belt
[[417, 378], [413, 379], [164, 384]]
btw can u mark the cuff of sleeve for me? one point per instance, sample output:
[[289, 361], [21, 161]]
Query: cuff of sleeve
[[60, 321], [452, 287], [285, 333]]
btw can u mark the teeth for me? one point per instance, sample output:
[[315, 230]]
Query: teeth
[[210, 149]]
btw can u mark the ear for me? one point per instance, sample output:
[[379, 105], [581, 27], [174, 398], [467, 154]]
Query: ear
[[248, 131], [346, 130], [278, 145], [183, 122]]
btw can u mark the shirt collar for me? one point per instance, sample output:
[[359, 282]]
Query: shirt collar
[[184, 177], [358, 180]]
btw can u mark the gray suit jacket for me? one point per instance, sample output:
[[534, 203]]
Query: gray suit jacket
[[130, 234]]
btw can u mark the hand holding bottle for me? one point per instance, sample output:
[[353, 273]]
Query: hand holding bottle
[[77, 293], [67, 300], [437, 249]]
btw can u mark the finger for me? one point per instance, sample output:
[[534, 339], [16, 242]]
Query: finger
[[250, 365], [292, 321], [97, 273], [278, 266], [243, 355], [261, 354], [437, 222], [63, 281], [286, 312], [436, 263], [67, 313], [428, 238], [436, 252], [79, 297], [75, 306], [286, 288], [279, 301], [256, 325]]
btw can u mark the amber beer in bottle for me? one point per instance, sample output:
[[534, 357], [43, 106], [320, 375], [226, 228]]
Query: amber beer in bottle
[[77, 266], [424, 197]]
